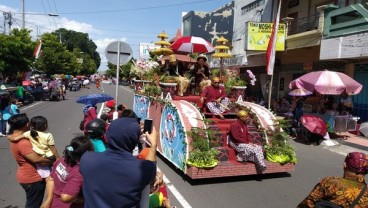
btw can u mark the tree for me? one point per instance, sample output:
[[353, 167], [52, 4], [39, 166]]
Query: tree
[[72, 39], [55, 59], [124, 70], [16, 52]]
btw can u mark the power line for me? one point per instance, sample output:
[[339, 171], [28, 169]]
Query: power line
[[44, 9], [135, 9], [55, 7]]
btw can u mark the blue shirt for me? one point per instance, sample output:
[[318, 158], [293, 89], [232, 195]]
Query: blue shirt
[[98, 145]]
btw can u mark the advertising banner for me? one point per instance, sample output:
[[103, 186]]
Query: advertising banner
[[259, 34]]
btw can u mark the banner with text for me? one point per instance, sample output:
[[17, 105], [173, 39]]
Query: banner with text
[[259, 34]]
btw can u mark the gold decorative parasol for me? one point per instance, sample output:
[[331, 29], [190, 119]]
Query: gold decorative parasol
[[222, 51], [163, 50]]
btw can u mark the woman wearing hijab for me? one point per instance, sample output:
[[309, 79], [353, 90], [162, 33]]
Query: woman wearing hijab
[[90, 113]]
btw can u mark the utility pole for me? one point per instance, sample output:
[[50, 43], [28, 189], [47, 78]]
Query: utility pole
[[10, 22], [7, 16], [4, 13], [23, 15]]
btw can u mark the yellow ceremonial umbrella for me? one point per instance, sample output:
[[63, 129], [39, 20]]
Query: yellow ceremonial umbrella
[[222, 51], [163, 50]]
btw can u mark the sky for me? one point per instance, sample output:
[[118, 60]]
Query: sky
[[131, 21]]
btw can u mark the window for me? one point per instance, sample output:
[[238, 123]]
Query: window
[[251, 6]]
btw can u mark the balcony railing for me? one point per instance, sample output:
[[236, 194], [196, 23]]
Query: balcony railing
[[303, 24]]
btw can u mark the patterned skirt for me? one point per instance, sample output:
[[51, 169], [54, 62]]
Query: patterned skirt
[[217, 108], [250, 152]]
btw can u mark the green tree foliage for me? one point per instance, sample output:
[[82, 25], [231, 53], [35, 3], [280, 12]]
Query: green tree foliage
[[55, 59], [72, 39], [124, 70], [16, 52]]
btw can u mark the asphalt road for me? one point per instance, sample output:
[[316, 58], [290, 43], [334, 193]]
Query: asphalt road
[[269, 191]]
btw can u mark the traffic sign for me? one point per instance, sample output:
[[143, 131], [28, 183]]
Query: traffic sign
[[118, 47]]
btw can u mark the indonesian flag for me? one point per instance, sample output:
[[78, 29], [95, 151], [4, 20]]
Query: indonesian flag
[[37, 51], [271, 48]]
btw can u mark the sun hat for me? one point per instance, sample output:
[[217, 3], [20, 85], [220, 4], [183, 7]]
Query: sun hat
[[357, 162], [201, 56], [172, 58]]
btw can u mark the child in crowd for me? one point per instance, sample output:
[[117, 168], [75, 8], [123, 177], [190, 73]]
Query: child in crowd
[[157, 189], [42, 142], [64, 187], [96, 130]]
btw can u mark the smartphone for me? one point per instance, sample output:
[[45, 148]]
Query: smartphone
[[148, 123]]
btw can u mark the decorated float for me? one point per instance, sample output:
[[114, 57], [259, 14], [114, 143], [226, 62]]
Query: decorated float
[[196, 142]]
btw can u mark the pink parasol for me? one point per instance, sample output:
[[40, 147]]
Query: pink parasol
[[192, 44], [327, 83], [300, 92], [314, 124]]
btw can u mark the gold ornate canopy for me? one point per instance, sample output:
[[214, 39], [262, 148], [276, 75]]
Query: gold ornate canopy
[[163, 50], [222, 51]]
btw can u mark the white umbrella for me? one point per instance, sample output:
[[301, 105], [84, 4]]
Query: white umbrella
[[364, 129]]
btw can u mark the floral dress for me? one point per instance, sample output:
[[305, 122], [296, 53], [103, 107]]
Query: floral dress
[[341, 191]]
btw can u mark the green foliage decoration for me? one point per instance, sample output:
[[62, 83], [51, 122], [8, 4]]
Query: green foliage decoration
[[204, 143]]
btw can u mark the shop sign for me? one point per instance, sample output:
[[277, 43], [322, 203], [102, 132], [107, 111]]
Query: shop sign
[[259, 34]]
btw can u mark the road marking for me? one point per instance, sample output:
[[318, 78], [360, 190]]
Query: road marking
[[25, 108], [176, 193]]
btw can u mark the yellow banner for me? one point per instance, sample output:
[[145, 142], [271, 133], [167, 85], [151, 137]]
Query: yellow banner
[[259, 35]]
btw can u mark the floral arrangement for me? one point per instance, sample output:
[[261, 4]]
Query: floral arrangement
[[251, 77], [145, 70], [147, 64]]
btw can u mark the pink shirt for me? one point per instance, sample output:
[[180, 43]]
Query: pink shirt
[[67, 180]]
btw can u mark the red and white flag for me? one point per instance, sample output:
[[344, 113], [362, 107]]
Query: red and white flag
[[37, 51], [271, 48]]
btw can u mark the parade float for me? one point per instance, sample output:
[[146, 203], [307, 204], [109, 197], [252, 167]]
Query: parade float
[[196, 142]]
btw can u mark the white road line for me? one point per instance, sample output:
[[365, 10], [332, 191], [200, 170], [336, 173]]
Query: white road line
[[25, 108], [176, 193]]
